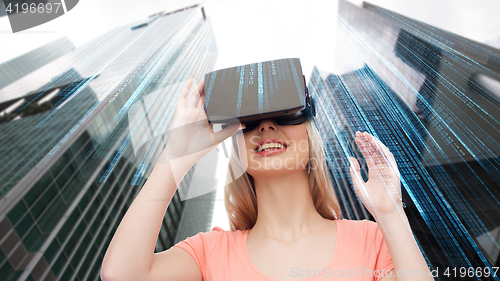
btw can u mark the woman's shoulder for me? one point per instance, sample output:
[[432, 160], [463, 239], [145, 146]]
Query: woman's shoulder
[[362, 234], [215, 234], [219, 231], [364, 226], [359, 223], [209, 240], [229, 236]]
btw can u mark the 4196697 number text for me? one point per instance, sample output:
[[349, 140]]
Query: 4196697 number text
[[33, 8]]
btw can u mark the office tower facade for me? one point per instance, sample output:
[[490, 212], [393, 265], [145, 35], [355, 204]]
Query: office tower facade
[[3, 12], [197, 214], [433, 99], [19, 67], [77, 150]]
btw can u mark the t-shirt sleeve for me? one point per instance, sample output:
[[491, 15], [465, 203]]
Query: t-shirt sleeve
[[384, 259], [200, 246]]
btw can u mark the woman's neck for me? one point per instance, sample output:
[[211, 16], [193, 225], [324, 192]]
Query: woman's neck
[[285, 207]]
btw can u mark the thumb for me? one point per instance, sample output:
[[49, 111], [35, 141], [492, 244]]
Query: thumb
[[357, 180], [354, 164], [227, 132]]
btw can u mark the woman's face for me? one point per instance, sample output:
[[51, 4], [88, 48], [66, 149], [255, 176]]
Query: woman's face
[[273, 149]]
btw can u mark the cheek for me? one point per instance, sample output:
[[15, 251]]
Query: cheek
[[247, 144], [299, 140], [302, 145], [250, 142]]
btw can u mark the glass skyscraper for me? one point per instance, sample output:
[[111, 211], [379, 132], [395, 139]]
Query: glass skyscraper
[[3, 12], [19, 67], [433, 98], [70, 166]]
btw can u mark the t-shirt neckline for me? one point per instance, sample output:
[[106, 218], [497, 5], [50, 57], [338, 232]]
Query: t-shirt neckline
[[331, 263]]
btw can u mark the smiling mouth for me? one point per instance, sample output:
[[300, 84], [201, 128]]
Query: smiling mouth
[[271, 147]]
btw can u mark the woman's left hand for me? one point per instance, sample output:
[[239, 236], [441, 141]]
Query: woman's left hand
[[381, 194]]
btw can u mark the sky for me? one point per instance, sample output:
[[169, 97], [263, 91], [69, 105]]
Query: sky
[[250, 31], [257, 30]]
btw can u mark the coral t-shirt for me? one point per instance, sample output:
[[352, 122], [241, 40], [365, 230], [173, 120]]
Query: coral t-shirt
[[360, 254]]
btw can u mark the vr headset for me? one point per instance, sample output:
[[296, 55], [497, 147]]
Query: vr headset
[[250, 93]]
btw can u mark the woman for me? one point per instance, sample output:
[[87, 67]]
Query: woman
[[283, 212]]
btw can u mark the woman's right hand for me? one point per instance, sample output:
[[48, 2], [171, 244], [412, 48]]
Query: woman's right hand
[[191, 136]]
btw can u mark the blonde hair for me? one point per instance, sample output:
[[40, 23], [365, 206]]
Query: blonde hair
[[240, 199]]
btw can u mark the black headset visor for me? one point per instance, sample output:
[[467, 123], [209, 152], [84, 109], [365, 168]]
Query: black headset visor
[[251, 93]]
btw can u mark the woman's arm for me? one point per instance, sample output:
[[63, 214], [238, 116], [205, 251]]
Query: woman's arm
[[130, 255], [408, 261], [381, 195]]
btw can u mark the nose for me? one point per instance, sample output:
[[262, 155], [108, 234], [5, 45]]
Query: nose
[[267, 125]]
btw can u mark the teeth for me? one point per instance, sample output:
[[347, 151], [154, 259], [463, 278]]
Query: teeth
[[269, 146]]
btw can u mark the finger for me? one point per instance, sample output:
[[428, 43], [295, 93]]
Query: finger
[[366, 148], [200, 93], [377, 149], [373, 150], [376, 157], [201, 117], [186, 88], [201, 86], [200, 102], [390, 158], [193, 97], [387, 156]]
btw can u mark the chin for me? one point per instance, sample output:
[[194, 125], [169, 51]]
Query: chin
[[276, 165], [270, 171]]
